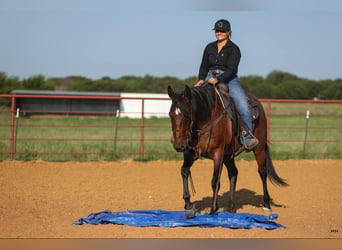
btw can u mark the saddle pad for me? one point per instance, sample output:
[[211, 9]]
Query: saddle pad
[[162, 218]]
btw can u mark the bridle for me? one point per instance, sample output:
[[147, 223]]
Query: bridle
[[207, 128]]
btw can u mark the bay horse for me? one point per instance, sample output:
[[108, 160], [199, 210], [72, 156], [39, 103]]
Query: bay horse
[[205, 124]]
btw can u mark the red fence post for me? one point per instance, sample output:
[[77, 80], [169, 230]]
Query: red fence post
[[142, 136], [12, 153]]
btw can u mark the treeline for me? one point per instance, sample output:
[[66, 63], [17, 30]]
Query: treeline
[[276, 85], [283, 85]]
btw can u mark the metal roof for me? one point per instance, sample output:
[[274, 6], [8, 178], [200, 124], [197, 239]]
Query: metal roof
[[54, 92]]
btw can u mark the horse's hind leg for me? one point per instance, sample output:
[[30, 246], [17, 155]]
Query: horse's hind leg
[[261, 160], [232, 175], [185, 172]]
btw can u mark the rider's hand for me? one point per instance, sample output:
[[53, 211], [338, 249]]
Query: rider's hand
[[213, 80], [199, 83]]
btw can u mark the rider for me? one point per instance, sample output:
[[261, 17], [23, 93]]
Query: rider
[[220, 65]]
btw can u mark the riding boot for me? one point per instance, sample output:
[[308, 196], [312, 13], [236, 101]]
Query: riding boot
[[249, 142]]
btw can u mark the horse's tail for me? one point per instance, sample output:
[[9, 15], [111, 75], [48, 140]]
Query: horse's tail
[[271, 172]]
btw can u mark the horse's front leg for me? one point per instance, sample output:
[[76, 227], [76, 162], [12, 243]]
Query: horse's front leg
[[215, 183], [232, 175], [185, 172]]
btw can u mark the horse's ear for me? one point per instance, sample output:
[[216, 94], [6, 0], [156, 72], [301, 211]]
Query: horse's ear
[[170, 92], [187, 94]]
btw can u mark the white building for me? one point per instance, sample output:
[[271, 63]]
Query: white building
[[132, 107]]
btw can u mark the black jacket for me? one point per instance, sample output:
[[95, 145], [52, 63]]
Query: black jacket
[[227, 60]]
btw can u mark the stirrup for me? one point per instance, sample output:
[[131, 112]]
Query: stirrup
[[252, 143]]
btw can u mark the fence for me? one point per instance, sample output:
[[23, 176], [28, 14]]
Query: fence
[[296, 129]]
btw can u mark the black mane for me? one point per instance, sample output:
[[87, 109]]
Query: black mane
[[202, 99]]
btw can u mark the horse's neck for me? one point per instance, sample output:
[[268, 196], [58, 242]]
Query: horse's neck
[[202, 117]]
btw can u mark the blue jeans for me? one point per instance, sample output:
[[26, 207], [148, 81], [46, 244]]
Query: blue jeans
[[239, 97]]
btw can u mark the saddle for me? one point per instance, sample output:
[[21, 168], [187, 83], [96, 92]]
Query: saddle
[[239, 128], [230, 106]]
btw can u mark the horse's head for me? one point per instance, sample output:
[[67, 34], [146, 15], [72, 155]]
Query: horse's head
[[181, 118]]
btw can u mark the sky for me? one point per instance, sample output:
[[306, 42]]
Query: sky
[[107, 38]]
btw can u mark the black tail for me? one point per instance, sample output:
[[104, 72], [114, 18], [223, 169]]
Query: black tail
[[271, 173]]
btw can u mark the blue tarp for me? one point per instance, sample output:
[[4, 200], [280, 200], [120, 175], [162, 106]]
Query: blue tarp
[[162, 218]]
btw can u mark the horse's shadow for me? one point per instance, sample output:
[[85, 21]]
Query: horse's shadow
[[242, 197]]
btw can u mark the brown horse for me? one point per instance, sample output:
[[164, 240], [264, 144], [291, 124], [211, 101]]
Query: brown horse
[[205, 124]]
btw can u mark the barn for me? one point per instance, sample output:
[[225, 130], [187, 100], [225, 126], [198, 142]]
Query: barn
[[65, 102], [33, 102]]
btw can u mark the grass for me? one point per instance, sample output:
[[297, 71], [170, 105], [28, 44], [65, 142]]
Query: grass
[[108, 138]]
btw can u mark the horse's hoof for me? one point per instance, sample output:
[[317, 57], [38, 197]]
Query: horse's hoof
[[267, 209], [231, 210], [213, 211], [190, 213]]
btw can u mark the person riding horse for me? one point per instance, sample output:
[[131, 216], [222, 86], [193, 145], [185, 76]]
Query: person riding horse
[[202, 127], [219, 64]]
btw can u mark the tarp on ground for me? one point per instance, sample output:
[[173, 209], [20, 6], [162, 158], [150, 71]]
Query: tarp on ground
[[162, 218]]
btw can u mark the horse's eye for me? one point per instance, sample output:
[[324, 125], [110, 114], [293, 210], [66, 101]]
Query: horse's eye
[[178, 111]]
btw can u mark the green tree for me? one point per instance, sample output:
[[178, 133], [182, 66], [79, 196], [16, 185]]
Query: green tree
[[277, 77], [79, 83], [332, 89], [253, 85], [37, 82], [7, 84], [294, 89]]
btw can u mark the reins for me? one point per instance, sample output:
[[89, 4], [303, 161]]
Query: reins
[[209, 126]]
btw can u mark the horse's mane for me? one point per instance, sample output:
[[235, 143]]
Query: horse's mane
[[202, 100]]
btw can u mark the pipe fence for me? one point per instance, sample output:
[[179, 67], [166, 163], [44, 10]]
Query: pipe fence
[[296, 129]]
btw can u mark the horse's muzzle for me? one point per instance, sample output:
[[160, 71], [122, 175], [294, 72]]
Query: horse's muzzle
[[179, 147]]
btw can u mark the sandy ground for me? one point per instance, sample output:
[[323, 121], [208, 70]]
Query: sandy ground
[[42, 199]]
